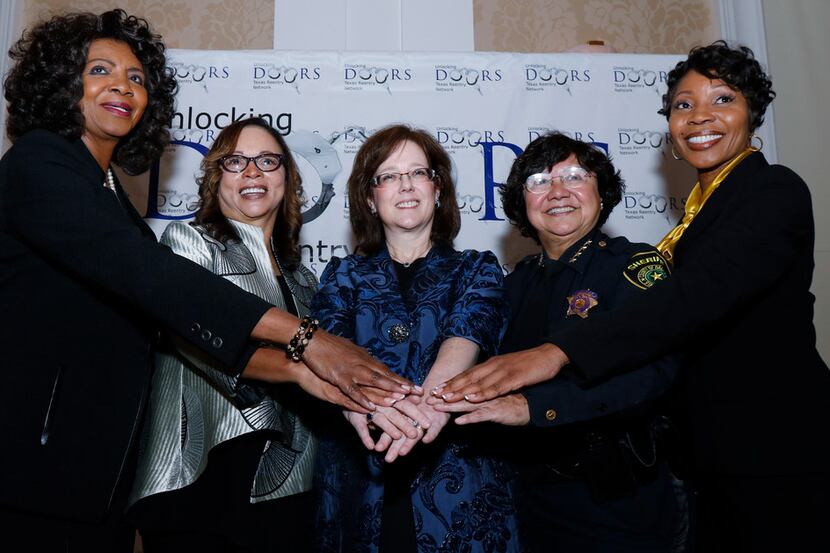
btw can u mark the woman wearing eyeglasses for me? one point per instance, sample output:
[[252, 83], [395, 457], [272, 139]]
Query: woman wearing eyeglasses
[[591, 475], [426, 311], [226, 463]]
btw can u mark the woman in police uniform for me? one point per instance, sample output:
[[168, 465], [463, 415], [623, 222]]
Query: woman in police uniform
[[590, 476]]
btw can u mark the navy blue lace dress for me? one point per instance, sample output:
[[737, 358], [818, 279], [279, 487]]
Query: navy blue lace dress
[[461, 499]]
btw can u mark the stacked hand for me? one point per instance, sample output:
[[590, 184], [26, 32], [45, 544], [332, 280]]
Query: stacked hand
[[503, 374], [510, 410], [403, 424], [354, 371]]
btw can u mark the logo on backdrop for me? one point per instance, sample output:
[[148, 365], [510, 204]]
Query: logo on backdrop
[[454, 139], [274, 76], [628, 79], [634, 141], [368, 77], [577, 134], [175, 204], [540, 77], [452, 78], [642, 205], [350, 138], [188, 73], [470, 204]]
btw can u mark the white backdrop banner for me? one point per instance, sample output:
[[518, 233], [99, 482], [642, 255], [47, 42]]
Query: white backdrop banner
[[483, 108]]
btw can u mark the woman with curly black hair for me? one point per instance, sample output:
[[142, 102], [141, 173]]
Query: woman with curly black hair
[[47, 83], [85, 287], [738, 306]]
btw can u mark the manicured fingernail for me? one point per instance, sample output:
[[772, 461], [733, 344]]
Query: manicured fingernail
[[447, 396], [371, 405], [469, 397], [418, 389]]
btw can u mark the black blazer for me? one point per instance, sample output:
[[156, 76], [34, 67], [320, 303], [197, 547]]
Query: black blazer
[[84, 290], [739, 306]]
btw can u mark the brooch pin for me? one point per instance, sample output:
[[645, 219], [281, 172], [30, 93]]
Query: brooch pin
[[581, 302], [398, 333]]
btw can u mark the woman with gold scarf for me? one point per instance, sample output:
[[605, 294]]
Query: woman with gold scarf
[[738, 306]]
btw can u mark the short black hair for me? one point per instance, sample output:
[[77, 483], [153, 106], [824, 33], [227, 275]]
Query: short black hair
[[737, 67], [45, 85], [543, 153]]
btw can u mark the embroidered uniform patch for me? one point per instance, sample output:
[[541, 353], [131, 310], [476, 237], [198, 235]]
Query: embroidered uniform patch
[[644, 269]]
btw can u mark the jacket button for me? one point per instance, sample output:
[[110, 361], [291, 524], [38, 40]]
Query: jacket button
[[217, 342], [550, 414], [195, 328], [602, 244], [206, 335]]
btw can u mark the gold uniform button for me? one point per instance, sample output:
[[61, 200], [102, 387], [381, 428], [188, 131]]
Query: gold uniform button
[[602, 244], [550, 414]]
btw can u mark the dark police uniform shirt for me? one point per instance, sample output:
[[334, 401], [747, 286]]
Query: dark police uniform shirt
[[596, 274]]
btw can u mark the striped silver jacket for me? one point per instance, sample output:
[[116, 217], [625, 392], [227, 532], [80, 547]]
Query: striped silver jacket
[[194, 407]]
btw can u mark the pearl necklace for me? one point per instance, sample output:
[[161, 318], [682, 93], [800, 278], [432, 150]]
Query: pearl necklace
[[110, 182]]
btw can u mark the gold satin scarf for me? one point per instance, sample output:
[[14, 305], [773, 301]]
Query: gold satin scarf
[[693, 206]]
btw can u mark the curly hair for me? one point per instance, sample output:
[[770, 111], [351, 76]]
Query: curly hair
[[45, 85], [545, 152], [737, 67], [368, 228], [286, 231]]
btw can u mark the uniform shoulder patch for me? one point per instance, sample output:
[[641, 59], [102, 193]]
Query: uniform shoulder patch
[[644, 269]]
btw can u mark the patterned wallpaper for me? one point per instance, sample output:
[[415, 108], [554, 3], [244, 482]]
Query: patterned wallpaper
[[656, 26], [635, 26], [197, 24]]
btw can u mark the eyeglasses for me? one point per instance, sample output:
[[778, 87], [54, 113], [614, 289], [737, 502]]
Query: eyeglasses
[[236, 163], [571, 177], [419, 175]]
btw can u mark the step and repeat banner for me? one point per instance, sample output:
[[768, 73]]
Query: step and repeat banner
[[483, 108]]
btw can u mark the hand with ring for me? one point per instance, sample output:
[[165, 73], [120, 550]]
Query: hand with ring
[[388, 419], [416, 410]]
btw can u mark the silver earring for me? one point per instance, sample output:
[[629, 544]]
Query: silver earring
[[437, 203], [373, 210], [760, 142]]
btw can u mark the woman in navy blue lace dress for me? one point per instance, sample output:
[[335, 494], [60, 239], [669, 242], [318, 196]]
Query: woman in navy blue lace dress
[[427, 311]]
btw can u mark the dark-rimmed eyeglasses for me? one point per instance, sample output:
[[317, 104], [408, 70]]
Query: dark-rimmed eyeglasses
[[236, 163], [419, 175], [571, 177]]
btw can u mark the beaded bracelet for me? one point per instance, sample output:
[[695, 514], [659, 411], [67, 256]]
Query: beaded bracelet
[[296, 347]]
